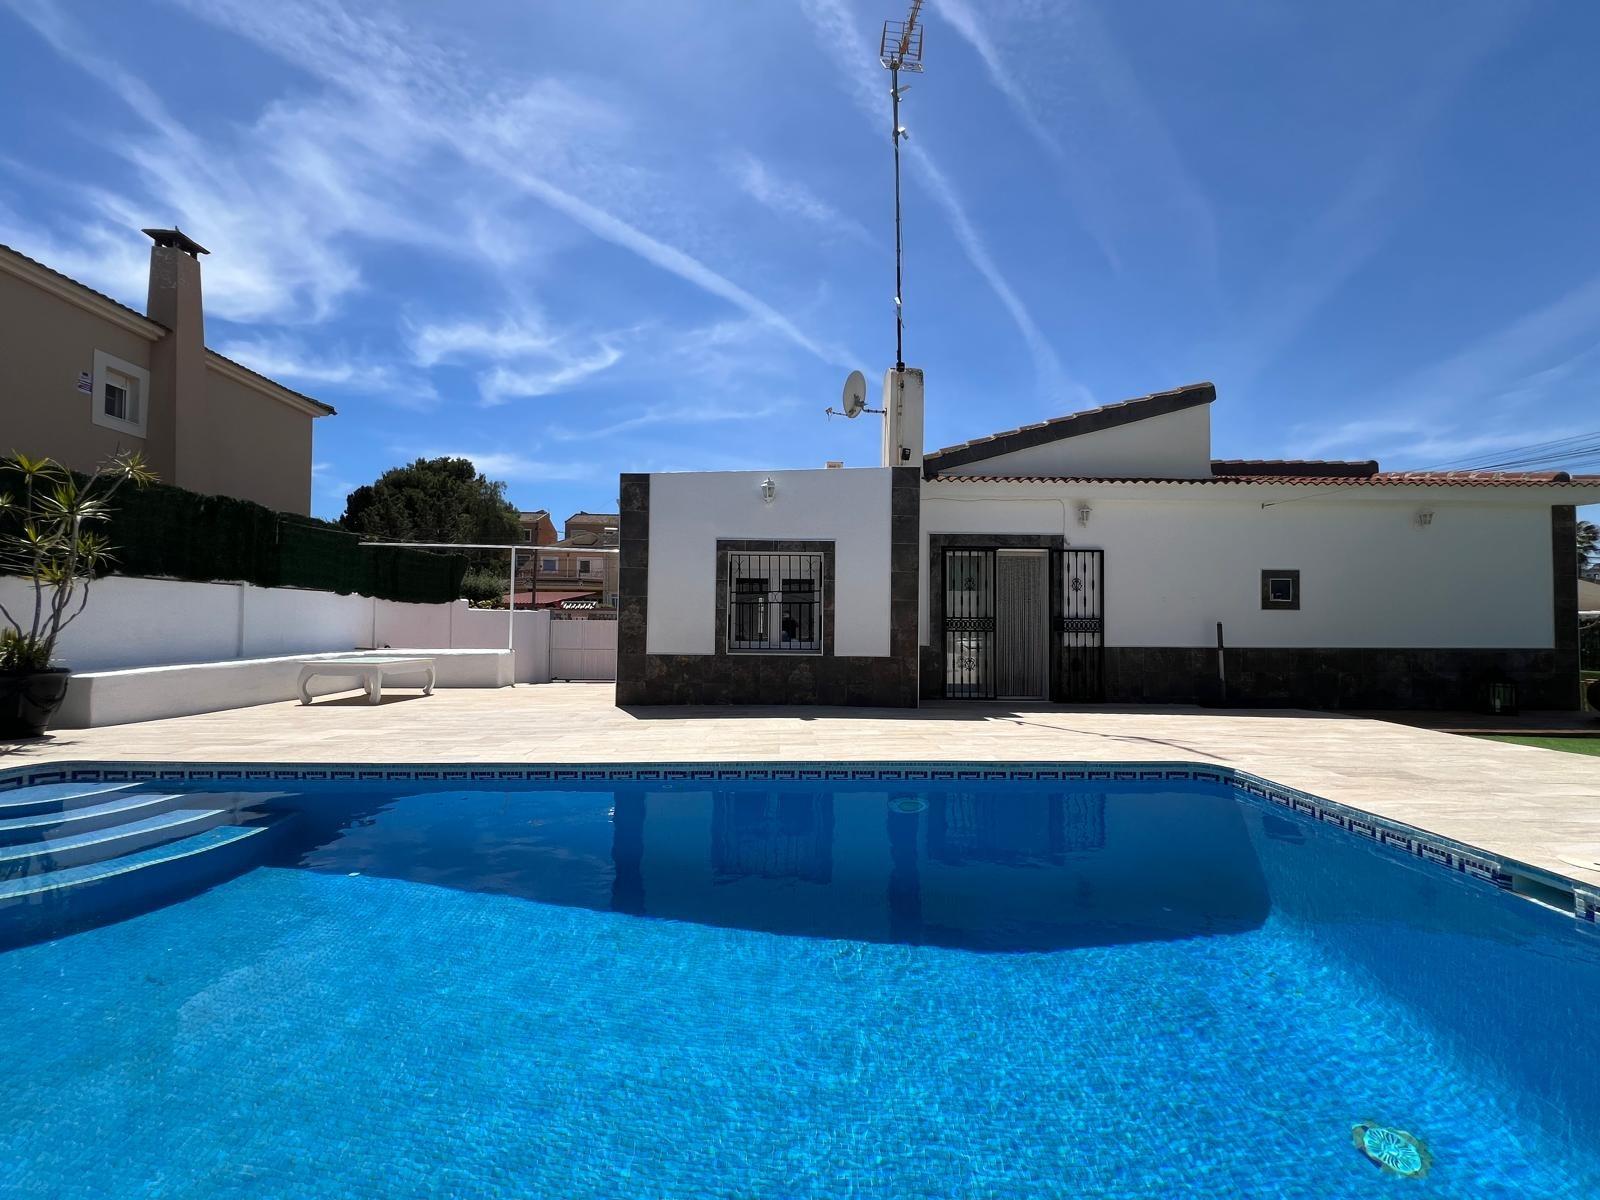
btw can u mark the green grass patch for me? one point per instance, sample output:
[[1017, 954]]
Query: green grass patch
[[1572, 745]]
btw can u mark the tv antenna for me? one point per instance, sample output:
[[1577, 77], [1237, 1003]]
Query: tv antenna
[[900, 50], [853, 401]]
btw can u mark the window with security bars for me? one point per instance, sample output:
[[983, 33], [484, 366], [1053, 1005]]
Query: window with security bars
[[774, 603]]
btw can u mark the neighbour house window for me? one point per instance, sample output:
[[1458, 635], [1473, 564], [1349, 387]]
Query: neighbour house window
[[1280, 589], [585, 566], [121, 395], [547, 565], [775, 603], [527, 535]]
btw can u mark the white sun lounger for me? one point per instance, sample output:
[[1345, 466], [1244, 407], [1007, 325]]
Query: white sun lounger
[[371, 672]]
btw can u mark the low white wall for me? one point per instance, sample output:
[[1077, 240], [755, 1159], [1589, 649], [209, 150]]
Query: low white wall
[[96, 698], [689, 512], [131, 622], [485, 629], [1179, 561]]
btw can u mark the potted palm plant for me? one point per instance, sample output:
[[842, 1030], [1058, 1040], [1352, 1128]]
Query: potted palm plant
[[47, 541]]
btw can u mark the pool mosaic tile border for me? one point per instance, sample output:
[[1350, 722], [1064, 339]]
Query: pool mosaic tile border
[[1442, 852]]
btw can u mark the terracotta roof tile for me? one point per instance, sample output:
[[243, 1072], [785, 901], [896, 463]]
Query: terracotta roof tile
[[1525, 479]]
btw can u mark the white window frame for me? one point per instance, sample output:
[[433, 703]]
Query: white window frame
[[104, 365], [550, 565], [585, 566]]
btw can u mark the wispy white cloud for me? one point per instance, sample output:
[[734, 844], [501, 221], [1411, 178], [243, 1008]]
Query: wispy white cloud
[[527, 357], [512, 467], [289, 359], [671, 414], [502, 384], [440, 99], [842, 37], [326, 480], [791, 198], [1337, 242], [1486, 397], [1047, 364], [1111, 105]]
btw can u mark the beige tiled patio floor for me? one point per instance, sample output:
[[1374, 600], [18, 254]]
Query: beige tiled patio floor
[[1516, 802]]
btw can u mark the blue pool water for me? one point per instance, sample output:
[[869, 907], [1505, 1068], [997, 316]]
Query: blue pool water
[[743, 989]]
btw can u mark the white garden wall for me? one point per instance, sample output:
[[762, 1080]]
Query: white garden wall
[[689, 512], [1180, 559], [133, 622]]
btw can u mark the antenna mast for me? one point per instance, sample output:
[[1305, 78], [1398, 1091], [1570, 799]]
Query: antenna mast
[[900, 50]]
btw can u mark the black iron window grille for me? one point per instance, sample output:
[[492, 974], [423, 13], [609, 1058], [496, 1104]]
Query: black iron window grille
[[774, 603]]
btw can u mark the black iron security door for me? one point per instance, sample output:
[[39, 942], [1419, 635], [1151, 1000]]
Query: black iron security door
[[969, 625], [1081, 626]]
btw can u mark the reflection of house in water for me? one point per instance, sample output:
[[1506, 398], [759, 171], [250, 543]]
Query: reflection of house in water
[[772, 835], [1021, 830]]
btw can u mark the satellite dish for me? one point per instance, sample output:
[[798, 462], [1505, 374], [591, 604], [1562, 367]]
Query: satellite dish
[[855, 394]]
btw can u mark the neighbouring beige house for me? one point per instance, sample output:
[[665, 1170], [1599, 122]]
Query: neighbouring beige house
[[577, 572], [82, 376]]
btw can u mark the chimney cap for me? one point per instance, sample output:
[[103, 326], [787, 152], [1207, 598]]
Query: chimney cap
[[177, 239]]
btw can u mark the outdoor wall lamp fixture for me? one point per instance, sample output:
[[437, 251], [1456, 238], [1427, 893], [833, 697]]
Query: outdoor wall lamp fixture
[[768, 489], [1083, 514], [1425, 518]]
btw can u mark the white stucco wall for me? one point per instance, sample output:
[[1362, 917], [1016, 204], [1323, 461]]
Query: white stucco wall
[[1181, 559], [132, 622], [689, 512], [1177, 446]]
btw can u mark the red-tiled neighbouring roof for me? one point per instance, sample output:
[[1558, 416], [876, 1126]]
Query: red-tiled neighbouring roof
[[1157, 404], [542, 598], [1380, 479]]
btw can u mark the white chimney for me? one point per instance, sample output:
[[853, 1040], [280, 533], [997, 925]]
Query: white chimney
[[902, 418]]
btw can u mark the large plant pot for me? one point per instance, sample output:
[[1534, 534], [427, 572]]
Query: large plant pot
[[29, 699]]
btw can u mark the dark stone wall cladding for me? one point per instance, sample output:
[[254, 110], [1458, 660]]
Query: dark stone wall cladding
[[1337, 678], [722, 678]]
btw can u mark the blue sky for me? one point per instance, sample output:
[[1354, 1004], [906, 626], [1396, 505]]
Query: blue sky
[[569, 240]]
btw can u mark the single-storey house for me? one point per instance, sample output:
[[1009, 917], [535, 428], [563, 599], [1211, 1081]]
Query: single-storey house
[[1103, 556]]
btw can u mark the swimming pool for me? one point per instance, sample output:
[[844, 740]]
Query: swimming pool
[[861, 981]]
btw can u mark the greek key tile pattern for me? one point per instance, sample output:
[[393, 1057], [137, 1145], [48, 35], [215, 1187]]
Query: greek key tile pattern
[[1443, 853]]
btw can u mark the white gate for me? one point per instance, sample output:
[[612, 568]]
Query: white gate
[[583, 649]]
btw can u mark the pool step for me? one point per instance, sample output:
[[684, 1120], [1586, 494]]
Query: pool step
[[53, 902], [113, 841], [114, 809], [56, 797]]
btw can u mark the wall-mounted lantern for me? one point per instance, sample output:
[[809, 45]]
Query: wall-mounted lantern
[[1084, 512], [1424, 518], [768, 489]]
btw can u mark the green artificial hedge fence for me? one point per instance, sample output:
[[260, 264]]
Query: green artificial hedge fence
[[167, 531]]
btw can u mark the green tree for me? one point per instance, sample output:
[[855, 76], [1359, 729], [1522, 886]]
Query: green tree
[[1588, 543], [434, 500]]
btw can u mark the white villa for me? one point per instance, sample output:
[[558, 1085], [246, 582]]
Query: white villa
[[1101, 556]]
